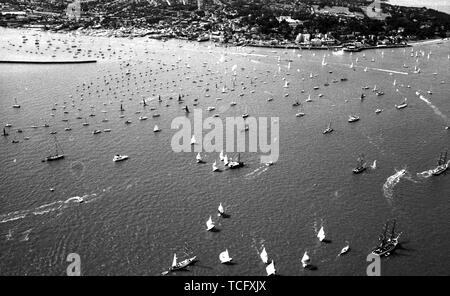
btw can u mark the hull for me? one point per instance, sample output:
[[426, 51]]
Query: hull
[[386, 249], [359, 170], [183, 264], [439, 170], [56, 157]]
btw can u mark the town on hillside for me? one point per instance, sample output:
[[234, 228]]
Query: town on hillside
[[321, 24]]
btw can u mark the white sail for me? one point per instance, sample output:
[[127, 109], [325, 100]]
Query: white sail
[[221, 155], [193, 141], [264, 256], [305, 259], [344, 250], [270, 269], [174, 262], [210, 224], [214, 166], [321, 234], [225, 160], [199, 157], [220, 209], [225, 257], [156, 128]]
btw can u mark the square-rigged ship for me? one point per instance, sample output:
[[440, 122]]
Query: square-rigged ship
[[388, 241]]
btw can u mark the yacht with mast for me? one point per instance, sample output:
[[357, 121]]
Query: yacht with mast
[[328, 129], [15, 104], [57, 155], [236, 164], [180, 265], [402, 105], [361, 166]]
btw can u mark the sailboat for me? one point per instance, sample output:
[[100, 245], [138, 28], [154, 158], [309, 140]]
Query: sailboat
[[193, 141], [199, 158], [220, 210], [225, 160], [443, 165], [182, 264], [221, 155], [270, 269], [361, 166], [305, 260], [328, 129], [402, 105], [16, 105], [225, 257], [344, 250], [57, 155], [388, 243], [121, 108], [309, 99], [300, 113], [210, 224], [264, 256], [5, 134], [321, 234], [353, 118], [214, 167], [156, 129], [236, 164]]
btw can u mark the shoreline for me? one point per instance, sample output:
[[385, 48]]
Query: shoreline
[[108, 33], [46, 62]]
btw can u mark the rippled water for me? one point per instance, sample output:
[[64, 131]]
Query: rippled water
[[139, 212]]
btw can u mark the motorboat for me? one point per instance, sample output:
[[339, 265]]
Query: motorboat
[[119, 157]]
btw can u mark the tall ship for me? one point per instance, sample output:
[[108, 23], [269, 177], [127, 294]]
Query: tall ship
[[443, 164], [361, 165], [388, 241], [59, 153]]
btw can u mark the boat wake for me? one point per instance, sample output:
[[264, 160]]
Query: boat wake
[[435, 109], [46, 208], [391, 182], [374, 165], [262, 169]]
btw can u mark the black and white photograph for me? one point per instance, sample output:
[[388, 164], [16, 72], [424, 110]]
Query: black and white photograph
[[224, 138]]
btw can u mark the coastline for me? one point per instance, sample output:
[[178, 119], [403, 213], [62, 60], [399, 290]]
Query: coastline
[[117, 34], [47, 62]]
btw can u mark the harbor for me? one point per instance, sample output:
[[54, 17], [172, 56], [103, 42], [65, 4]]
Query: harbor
[[88, 164]]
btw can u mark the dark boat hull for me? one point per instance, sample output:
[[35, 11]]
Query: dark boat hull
[[56, 157]]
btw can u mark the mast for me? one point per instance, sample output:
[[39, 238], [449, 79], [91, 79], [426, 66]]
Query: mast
[[393, 230]]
